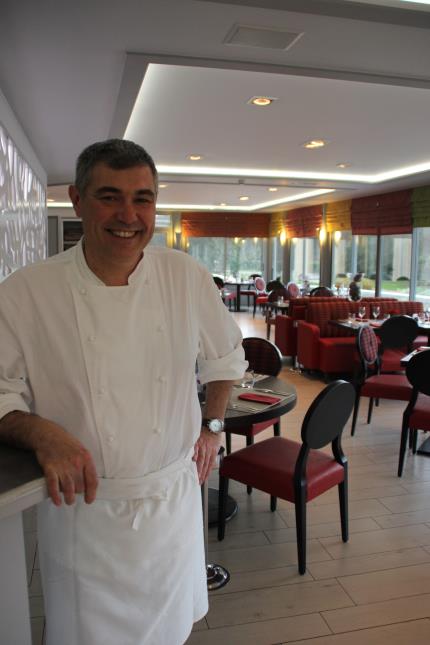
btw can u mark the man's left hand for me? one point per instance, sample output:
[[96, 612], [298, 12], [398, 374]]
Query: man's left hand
[[206, 450]]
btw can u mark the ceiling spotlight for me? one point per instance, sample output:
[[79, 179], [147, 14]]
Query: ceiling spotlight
[[194, 157], [50, 199], [244, 198], [314, 143], [162, 185], [223, 204], [343, 164], [272, 189], [261, 101]]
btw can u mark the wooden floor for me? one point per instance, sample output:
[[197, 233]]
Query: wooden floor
[[374, 590]]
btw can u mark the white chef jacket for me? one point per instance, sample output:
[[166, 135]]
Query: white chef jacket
[[115, 366]]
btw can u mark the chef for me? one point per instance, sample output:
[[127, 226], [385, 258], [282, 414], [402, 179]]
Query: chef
[[97, 376]]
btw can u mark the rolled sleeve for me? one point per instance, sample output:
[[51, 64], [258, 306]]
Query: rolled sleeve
[[15, 393], [226, 368]]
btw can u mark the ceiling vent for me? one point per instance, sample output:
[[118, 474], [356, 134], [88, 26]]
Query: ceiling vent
[[269, 38]]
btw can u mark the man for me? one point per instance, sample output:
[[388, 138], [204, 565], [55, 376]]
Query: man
[[97, 376]]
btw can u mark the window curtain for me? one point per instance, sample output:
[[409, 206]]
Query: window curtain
[[385, 214], [224, 224], [338, 216], [303, 222], [421, 207]]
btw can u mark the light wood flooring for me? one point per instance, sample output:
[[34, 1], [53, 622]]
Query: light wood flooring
[[374, 590]]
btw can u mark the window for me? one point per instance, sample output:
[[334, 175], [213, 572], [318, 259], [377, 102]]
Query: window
[[234, 259], [396, 265], [423, 266], [364, 261], [342, 259], [305, 260], [277, 259]]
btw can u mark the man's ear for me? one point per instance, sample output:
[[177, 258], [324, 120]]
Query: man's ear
[[75, 198]]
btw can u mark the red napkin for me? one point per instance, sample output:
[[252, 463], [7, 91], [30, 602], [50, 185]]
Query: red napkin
[[259, 398]]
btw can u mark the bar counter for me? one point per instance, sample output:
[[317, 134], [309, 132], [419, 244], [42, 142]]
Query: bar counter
[[21, 485]]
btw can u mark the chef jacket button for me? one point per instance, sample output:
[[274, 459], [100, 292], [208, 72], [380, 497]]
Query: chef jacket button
[[102, 391], [91, 339], [83, 291], [162, 379], [111, 438], [160, 328], [156, 430]]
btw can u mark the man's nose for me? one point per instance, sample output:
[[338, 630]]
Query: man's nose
[[127, 212]]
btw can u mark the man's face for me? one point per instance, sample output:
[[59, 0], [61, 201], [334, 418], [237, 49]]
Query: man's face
[[118, 214]]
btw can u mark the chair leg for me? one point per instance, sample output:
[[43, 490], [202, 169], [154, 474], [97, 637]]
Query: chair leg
[[343, 505], [228, 442], [414, 441], [300, 508], [370, 410], [355, 413], [403, 443], [273, 503], [222, 506], [249, 442], [277, 429]]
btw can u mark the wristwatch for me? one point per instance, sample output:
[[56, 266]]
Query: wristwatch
[[213, 425]]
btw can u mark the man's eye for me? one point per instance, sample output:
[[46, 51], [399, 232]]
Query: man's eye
[[108, 198], [144, 200]]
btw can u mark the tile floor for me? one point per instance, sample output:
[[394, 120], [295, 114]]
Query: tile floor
[[375, 589]]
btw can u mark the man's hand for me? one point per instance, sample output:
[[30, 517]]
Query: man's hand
[[68, 467], [206, 450]]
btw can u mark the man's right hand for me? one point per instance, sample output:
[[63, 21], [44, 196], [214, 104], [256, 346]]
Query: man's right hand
[[67, 465]]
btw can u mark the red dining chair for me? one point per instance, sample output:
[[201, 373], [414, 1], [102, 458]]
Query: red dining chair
[[417, 413], [397, 335], [294, 471], [293, 290], [261, 294], [371, 382]]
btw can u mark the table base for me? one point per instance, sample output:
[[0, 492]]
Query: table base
[[216, 576], [231, 508], [424, 448]]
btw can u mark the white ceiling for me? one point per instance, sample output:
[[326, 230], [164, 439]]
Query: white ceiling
[[357, 77]]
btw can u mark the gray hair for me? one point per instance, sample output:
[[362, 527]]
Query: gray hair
[[117, 154]]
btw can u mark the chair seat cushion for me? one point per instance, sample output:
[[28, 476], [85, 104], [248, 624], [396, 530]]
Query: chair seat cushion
[[420, 417], [255, 428], [390, 360], [387, 386], [269, 466], [261, 299]]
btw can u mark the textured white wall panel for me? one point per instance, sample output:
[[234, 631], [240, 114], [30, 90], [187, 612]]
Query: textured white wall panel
[[23, 216]]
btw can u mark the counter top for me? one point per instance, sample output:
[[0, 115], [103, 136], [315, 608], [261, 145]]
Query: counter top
[[21, 481]]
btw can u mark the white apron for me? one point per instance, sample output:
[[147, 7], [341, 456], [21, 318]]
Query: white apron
[[129, 587]]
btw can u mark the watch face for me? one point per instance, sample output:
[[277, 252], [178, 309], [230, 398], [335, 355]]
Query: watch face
[[215, 425]]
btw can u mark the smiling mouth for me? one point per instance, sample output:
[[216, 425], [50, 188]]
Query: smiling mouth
[[124, 234]]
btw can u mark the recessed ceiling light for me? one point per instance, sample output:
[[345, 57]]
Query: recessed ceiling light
[[50, 199], [272, 189], [314, 143], [194, 157], [223, 204], [244, 198], [162, 185], [261, 101], [343, 164]]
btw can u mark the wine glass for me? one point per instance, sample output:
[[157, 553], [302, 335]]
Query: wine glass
[[361, 312], [248, 379], [376, 310]]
